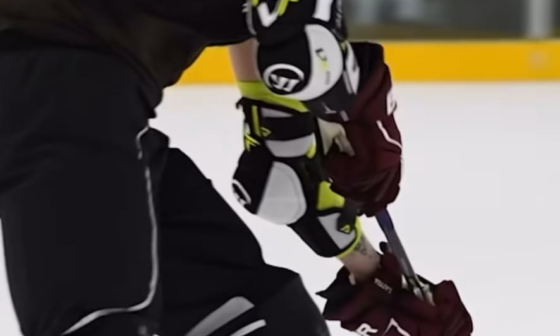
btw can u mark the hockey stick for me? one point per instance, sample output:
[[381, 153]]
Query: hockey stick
[[421, 290]]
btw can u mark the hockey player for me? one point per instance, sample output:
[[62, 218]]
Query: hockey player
[[107, 231]]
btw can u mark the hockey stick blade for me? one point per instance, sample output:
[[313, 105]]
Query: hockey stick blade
[[421, 290]]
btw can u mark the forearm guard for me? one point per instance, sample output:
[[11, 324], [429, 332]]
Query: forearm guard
[[279, 178], [303, 54]]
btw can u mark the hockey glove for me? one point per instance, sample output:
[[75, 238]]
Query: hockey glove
[[371, 176], [383, 306]]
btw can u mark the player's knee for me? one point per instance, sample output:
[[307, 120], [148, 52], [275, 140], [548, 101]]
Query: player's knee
[[126, 324], [285, 308], [292, 311]]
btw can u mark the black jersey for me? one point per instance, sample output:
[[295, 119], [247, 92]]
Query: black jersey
[[160, 38]]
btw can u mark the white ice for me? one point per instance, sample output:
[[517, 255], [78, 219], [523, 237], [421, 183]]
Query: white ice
[[479, 204]]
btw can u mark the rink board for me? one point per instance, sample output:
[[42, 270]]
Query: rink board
[[431, 61]]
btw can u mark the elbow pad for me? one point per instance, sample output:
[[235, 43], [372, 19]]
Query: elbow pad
[[302, 54]]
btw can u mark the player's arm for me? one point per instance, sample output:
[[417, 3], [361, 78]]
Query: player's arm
[[378, 302], [243, 61], [364, 259], [280, 177]]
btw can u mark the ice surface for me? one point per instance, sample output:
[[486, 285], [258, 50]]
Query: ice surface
[[480, 197]]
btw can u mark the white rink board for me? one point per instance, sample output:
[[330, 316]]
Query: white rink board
[[481, 183]]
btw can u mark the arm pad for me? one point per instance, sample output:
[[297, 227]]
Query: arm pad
[[302, 53]]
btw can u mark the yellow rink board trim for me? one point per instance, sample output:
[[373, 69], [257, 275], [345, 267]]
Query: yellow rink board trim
[[430, 61]]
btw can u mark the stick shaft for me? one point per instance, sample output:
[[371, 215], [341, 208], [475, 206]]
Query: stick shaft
[[387, 226]]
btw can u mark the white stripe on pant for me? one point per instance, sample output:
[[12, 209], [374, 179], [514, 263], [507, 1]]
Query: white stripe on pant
[[155, 259]]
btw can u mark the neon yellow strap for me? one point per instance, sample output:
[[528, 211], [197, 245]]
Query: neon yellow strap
[[256, 90]]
